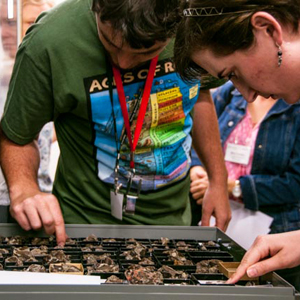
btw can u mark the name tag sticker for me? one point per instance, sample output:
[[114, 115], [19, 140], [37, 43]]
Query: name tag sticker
[[238, 154]]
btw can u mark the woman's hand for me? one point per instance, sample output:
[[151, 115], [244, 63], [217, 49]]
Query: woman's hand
[[269, 253], [199, 183]]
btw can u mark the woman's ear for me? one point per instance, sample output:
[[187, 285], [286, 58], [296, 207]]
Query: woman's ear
[[265, 23]]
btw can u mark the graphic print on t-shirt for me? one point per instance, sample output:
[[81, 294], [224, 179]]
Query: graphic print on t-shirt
[[162, 154]]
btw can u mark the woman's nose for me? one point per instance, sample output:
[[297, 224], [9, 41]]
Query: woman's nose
[[248, 93]]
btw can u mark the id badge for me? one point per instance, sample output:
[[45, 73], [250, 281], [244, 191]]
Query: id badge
[[238, 154], [116, 204], [130, 204]]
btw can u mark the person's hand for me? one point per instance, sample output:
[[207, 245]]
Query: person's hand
[[269, 253], [230, 185], [199, 183], [216, 203], [36, 210]]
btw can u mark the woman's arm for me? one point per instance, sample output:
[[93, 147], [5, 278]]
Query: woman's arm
[[269, 187]]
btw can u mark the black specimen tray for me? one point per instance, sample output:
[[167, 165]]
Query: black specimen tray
[[196, 286]]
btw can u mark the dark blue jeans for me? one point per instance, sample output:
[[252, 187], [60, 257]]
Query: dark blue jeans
[[196, 211]]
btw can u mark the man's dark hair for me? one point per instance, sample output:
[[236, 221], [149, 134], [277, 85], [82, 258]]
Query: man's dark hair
[[141, 22]]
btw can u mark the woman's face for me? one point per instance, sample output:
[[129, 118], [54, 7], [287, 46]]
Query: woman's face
[[255, 71]]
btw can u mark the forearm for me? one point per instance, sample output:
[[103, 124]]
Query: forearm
[[20, 166], [207, 144], [31, 208], [264, 190], [206, 139]]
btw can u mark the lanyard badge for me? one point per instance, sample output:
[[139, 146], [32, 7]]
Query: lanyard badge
[[130, 196]]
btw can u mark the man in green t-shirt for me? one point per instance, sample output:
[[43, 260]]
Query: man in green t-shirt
[[102, 71]]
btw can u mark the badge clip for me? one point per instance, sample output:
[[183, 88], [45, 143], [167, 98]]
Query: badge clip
[[131, 199]]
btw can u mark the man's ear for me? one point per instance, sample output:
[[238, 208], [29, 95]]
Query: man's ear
[[267, 24]]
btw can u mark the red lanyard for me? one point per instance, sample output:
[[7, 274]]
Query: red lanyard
[[143, 107]]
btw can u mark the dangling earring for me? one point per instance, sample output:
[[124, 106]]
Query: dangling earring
[[279, 54]]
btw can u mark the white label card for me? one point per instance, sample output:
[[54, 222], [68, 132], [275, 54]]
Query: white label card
[[116, 203], [29, 278], [238, 154]]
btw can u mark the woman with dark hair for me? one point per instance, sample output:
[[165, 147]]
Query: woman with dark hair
[[256, 45]]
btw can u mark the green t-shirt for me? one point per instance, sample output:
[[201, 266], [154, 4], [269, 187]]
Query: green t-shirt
[[60, 75]]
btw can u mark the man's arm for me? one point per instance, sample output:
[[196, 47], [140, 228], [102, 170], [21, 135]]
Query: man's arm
[[206, 142], [31, 208]]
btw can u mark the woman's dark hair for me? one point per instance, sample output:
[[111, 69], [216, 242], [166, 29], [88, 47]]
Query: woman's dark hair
[[224, 26], [141, 22]]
